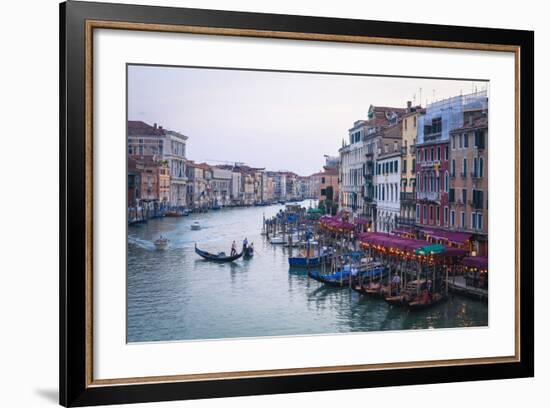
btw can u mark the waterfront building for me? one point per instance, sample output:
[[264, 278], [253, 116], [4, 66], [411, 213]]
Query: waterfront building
[[221, 186], [175, 154], [352, 160], [387, 187], [279, 185], [147, 140], [433, 171], [236, 192], [468, 192], [199, 185], [148, 181], [409, 129], [329, 189], [383, 135]]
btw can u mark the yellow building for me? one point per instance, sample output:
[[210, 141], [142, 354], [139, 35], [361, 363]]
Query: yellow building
[[409, 124]]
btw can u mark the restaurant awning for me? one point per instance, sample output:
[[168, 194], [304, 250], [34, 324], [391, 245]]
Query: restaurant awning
[[479, 262], [454, 237]]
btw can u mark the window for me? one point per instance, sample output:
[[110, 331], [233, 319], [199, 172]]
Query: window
[[404, 169], [446, 152], [462, 219], [446, 215], [431, 213], [439, 153], [454, 141], [432, 154], [395, 146], [405, 124], [479, 139], [481, 167], [322, 180], [474, 170], [465, 140], [424, 212], [460, 142], [451, 195], [417, 212], [396, 166], [414, 121], [474, 220], [479, 220], [464, 167], [446, 185], [437, 220], [464, 195], [452, 218], [453, 168]]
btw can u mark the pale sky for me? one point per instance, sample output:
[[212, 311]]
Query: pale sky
[[277, 120]]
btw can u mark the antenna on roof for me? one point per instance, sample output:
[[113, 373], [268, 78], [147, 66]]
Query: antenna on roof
[[420, 99]]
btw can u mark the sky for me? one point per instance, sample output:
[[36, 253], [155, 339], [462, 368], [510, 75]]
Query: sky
[[277, 120]]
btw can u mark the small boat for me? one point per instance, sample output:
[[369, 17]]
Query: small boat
[[216, 207], [195, 226], [424, 302], [161, 243], [310, 255], [219, 257], [248, 252], [340, 278], [278, 240]]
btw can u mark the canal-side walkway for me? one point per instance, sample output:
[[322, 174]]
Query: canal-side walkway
[[458, 285]]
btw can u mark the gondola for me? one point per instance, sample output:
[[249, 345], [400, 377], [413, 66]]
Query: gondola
[[220, 257], [420, 304], [248, 252]]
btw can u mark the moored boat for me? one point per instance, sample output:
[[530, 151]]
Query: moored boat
[[425, 301], [219, 257], [278, 240], [195, 226]]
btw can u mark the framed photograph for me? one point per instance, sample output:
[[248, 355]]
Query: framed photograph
[[257, 203]]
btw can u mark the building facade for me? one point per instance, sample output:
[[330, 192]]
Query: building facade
[[146, 140], [468, 195], [409, 128], [387, 181]]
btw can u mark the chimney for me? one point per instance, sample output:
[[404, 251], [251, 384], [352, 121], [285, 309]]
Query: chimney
[[155, 125], [160, 127], [409, 105]]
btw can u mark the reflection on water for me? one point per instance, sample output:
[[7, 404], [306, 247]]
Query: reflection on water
[[175, 295]]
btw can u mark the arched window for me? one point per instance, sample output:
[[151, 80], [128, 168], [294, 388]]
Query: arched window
[[474, 170]]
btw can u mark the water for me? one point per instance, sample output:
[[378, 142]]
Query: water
[[175, 295]]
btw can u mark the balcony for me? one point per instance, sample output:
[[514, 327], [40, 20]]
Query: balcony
[[407, 196], [432, 136], [404, 221], [430, 163], [475, 175], [428, 195]]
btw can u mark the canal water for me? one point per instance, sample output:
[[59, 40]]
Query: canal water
[[175, 295]]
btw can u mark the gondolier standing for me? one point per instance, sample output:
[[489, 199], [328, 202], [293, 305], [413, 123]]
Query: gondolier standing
[[233, 248], [245, 243]]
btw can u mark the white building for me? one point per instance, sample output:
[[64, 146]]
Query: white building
[[221, 186], [352, 160], [387, 189], [174, 153]]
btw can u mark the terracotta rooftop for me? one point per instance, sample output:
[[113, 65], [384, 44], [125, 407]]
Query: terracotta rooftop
[[138, 128]]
